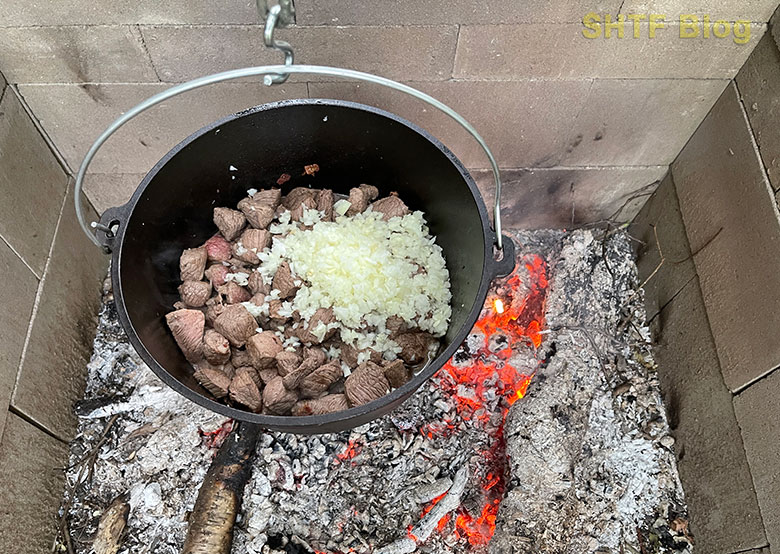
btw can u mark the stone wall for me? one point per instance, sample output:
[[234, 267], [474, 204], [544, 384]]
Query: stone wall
[[715, 303], [579, 125], [49, 299]]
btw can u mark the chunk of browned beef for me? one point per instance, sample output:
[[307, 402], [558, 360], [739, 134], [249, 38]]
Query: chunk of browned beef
[[325, 204], [366, 383], [216, 273], [187, 329], [218, 249], [273, 312], [277, 399], [229, 370], [241, 357], [349, 355], [236, 324], [269, 197], [318, 381], [245, 391], [257, 285], [226, 368], [315, 352], [284, 281], [415, 346], [312, 359], [216, 348], [258, 213], [320, 406], [234, 293], [267, 375], [287, 362], [263, 348], [252, 372], [258, 299], [229, 222], [298, 196], [250, 243], [195, 293], [192, 263], [308, 203], [396, 325], [370, 191], [237, 266], [214, 307], [397, 373], [390, 207], [318, 322], [358, 201], [214, 381]]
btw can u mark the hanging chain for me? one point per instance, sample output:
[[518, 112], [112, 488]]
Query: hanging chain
[[279, 15]]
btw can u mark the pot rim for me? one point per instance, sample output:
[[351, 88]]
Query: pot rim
[[345, 419]]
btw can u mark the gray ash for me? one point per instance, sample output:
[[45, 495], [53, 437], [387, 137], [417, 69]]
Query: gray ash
[[590, 465]]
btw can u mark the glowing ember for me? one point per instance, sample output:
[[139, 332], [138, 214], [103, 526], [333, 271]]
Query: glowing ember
[[479, 530], [350, 451], [432, 503], [521, 323], [214, 439], [518, 317], [443, 523]]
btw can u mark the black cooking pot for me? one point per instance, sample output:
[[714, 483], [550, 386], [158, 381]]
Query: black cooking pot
[[172, 210]]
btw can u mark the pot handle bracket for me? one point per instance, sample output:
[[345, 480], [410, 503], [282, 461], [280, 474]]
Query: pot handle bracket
[[504, 259], [113, 219], [110, 222]]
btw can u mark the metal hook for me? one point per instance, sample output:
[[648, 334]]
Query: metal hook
[[282, 14]]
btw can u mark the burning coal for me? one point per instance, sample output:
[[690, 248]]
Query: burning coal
[[511, 321]]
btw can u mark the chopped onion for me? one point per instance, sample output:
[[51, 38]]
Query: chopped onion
[[239, 277]]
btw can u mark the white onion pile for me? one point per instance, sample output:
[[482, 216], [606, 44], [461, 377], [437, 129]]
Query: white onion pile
[[366, 269]]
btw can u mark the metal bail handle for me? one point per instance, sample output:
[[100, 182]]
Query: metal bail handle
[[280, 70]]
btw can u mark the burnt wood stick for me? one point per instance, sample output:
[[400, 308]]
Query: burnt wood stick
[[111, 529], [219, 498]]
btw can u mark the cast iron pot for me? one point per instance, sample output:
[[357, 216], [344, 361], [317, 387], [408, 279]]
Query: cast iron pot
[[352, 143]]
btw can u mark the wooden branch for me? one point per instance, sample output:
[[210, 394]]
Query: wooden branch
[[111, 528], [657, 268], [86, 462], [219, 498]]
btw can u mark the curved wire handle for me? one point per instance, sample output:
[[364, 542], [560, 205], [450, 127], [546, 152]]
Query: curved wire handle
[[278, 70]]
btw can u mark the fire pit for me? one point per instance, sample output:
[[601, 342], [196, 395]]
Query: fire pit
[[545, 432]]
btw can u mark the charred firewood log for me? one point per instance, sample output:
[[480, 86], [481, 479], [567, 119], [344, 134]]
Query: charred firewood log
[[219, 498]]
